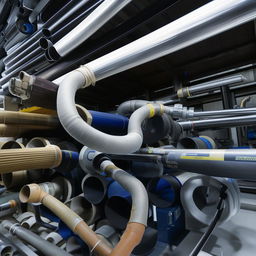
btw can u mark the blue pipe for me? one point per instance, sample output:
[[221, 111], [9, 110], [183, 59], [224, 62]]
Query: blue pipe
[[110, 123]]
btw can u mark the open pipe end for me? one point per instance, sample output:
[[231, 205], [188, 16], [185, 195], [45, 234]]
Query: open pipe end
[[31, 194], [51, 54]]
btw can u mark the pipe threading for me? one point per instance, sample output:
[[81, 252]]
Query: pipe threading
[[29, 158]]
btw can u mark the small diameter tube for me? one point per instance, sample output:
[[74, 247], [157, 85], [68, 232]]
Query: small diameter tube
[[6, 206], [139, 214], [87, 135], [12, 160], [34, 194], [33, 239]]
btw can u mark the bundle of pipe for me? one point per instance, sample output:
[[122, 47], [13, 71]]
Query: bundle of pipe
[[104, 12], [138, 219], [15, 123], [209, 20], [33, 239], [200, 197], [16, 179]]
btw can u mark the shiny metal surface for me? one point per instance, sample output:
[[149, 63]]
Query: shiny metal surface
[[227, 112], [207, 21], [215, 83], [219, 122], [88, 26]]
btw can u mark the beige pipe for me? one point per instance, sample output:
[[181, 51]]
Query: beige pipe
[[14, 130], [130, 239], [12, 160], [16, 117], [34, 194], [15, 179]]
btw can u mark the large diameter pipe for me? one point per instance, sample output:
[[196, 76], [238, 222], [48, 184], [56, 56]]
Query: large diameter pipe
[[12, 160], [219, 122], [33, 239], [34, 194], [238, 164], [205, 22], [89, 26]]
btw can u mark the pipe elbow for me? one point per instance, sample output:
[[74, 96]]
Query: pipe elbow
[[32, 194]]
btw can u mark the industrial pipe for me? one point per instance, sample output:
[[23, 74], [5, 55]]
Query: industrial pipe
[[12, 160], [209, 86], [201, 142], [238, 163], [34, 194], [33, 239], [18, 117], [15, 179], [205, 22], [218, 122], [15, 130], [89, 212], [8, 205], [87, 27], [95, 188]]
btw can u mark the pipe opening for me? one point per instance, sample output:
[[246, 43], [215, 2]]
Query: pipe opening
[[82, 207], [206, 199], [46, 32], [94, 190], [7, 251], [43, 43], [7, 179], [117, 211], [25, 194], [37, 143], [163, 192], [53, 54], [21, 75]]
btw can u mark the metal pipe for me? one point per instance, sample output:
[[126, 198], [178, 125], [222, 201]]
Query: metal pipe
[[27, 43], [88, 26], [205, 22], [238, 164], [33, 239], [226, 112], [208, 86], [218, 123]]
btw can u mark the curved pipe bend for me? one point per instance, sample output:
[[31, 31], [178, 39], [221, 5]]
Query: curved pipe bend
[[88, 135]]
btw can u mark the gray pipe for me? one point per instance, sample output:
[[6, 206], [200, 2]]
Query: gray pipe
[[128, 107], [238, 163], [208, 86], [89, 26], [31, 238], [137, 190], [219, 122]]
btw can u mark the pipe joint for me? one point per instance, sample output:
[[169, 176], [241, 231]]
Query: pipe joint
[[88, 74]]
